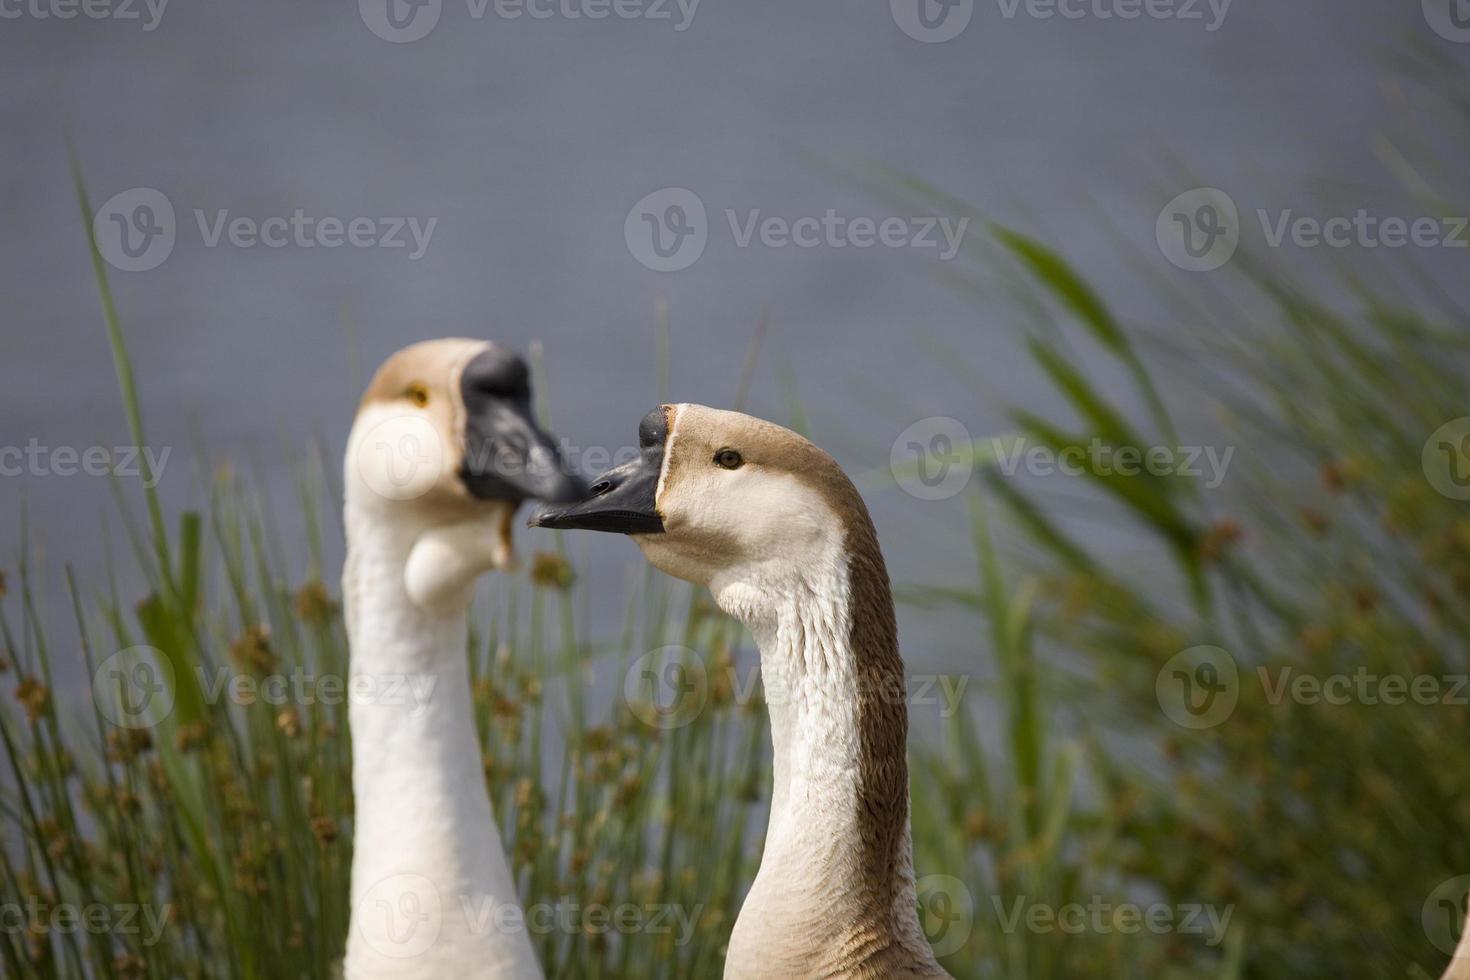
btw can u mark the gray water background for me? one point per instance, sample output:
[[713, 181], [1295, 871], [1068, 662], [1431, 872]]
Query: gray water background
[[529, 141]]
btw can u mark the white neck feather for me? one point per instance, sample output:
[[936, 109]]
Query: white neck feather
[[428, 867], [812, 894]]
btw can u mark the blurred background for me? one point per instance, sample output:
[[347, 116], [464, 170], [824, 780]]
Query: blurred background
[[1094, 218], [529, 141]]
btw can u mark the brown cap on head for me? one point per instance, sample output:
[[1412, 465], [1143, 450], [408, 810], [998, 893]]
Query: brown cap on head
[[683, 450]]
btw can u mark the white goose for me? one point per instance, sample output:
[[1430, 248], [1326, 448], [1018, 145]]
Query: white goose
[[442, 452], [1459, 968], [780, 536]]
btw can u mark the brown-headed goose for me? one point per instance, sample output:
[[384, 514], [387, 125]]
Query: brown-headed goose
[[442, 452], [778, 533]]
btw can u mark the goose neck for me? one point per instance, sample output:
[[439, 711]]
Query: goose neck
[[424, 835], [837, 863]]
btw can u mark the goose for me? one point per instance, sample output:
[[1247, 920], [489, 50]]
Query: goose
[[442, 452], [1459, 968], [777, 532]]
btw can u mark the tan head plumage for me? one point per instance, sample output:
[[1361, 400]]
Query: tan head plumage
[[442, 452]]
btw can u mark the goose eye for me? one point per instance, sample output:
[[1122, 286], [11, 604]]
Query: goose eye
[[418, 394], [728, 459]]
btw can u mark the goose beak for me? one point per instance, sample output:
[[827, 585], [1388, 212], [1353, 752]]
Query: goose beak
[[620, 501], [624, 500], [509, 457]]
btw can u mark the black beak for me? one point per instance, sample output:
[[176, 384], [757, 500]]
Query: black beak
[[622, 500], [507, 456]]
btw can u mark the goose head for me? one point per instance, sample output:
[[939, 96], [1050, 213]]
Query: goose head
[[443, 451], [720, 499]]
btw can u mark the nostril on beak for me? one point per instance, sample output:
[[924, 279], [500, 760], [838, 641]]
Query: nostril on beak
[[600, 487]]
